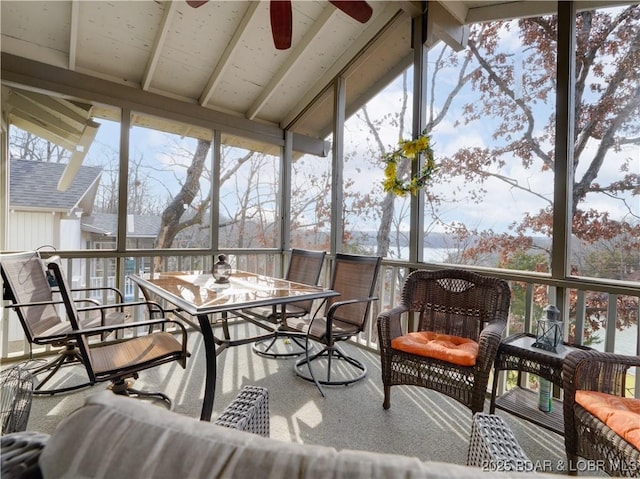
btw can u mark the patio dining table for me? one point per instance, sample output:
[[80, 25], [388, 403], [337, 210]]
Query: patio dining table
[[199, 295]]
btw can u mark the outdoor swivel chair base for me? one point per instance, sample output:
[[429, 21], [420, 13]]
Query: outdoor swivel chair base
[[123, 387], [345, 316], [270, 348], [304, 368], [304, 268]]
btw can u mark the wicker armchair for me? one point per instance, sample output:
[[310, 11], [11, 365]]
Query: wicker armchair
[[585, 435], [453, 302]]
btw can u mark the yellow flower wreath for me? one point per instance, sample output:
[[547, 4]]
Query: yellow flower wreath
[[408, 150]]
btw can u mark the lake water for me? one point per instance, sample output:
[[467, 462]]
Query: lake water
[[625, 341], [437, 255]]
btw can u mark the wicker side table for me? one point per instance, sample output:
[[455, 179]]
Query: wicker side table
[[516, 353], [249, 411], [493, 447]]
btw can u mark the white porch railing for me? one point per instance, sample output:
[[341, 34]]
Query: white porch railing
[[391, 277]]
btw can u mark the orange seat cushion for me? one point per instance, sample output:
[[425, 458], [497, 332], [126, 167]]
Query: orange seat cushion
[[453, 349], [622, 415]]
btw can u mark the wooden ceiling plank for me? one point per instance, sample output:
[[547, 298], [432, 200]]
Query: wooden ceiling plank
[[225, 59], [158, 44], [374, 28], [285, 69], [27, 123], [42, 115], [60, 107]]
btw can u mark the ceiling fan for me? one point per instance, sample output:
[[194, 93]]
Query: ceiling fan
[[281, 16]]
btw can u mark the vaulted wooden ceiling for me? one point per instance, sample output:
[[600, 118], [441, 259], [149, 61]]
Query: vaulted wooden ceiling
[[221, 56]]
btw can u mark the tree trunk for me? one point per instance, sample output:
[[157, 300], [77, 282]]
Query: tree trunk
[[170, 223]]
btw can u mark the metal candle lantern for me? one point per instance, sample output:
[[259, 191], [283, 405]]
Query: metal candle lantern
[[221, 271], [549, 333]]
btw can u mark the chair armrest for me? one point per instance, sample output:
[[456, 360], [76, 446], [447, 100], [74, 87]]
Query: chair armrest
[[121, 306], [249, 411], [596, 371], [337, 305], [488, 344], [20, 452], [389, 324], [154, 307], [116, 327], [116, 291]]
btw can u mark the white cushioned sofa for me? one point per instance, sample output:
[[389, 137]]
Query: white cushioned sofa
[[113, 436]]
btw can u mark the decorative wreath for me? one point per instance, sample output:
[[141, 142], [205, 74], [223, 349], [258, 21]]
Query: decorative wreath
[[408, 150]]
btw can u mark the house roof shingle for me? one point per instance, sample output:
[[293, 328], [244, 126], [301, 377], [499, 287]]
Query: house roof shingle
[[107, 224], [34, 185]]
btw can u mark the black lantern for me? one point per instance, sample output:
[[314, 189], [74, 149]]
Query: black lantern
[[549, 333], [221, 271]]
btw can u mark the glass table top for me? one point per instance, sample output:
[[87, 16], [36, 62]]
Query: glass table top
[[198, 292]]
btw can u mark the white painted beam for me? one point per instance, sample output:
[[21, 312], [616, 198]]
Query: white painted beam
[[78, 155], [43, 116], [73, 33], [225, 59], [27, 123], [158, 44], [373, 28], [66, 111], [441, 25], [284, 70]]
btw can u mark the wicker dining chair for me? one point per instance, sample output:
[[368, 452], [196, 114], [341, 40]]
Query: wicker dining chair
[[339, 318], [585, 435], [451, 302]]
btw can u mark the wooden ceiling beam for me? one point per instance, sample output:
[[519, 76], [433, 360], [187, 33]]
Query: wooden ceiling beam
[[225, 59], [286, 68], [73, 33], [158, 44], [27, 123], [77, 157], [375, 27]]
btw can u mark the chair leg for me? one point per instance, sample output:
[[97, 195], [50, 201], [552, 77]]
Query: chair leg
[[331, 353], [124, 387], [387, 397], [68, 356]]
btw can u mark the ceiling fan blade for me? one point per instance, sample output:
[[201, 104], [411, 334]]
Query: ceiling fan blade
[[358, 10], [196, 3], [281, 23]]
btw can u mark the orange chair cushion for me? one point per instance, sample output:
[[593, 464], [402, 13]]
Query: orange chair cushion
[[453, 349], [622, 415]]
